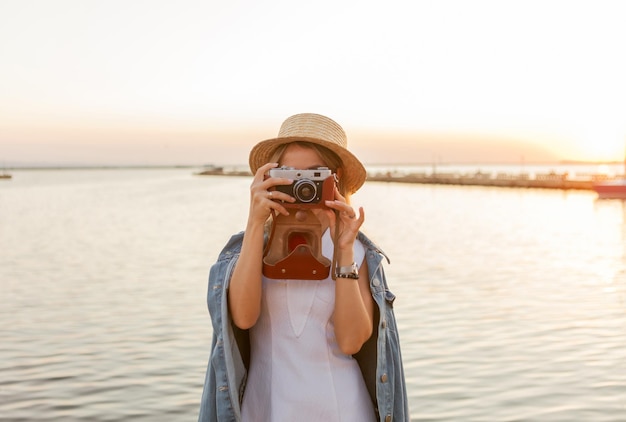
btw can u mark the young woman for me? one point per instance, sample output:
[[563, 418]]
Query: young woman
[[307, 350]]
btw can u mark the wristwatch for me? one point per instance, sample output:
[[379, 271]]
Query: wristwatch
[[349, 271]]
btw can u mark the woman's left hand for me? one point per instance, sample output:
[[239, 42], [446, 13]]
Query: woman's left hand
[[349, 222]]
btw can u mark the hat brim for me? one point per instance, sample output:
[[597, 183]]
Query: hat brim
[[354, 173]]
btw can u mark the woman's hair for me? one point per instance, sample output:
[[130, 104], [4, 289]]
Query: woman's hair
[[332, 160]]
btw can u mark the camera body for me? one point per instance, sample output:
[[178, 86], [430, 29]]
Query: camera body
[[310, 187]]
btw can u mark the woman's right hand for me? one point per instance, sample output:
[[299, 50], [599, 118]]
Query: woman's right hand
[[263, 199]]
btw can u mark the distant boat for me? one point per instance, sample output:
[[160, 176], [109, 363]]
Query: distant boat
[[612, 189], [4, 175]]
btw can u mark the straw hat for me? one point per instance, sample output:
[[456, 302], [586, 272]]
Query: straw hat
[[315, 129]]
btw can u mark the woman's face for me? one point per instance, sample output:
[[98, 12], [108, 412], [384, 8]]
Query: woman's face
[[301, 158]]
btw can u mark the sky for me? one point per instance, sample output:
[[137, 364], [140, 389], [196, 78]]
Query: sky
[[192, 82]]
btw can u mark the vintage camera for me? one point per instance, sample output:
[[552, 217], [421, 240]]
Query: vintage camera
[[310, 187]]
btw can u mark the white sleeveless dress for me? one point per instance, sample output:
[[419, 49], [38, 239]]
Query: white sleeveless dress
[[297, 372]]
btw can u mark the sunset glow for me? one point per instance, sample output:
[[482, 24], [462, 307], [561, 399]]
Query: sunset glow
[[195, 81]]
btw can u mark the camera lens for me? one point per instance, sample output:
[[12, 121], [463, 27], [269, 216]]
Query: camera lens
[[305, 190]]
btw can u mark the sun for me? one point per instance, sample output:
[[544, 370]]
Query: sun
[[602, 144]]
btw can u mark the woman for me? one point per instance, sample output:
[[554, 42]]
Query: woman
[[303, 349]]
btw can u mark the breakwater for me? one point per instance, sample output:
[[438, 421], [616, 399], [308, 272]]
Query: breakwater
[[542, 181], [551, 180]]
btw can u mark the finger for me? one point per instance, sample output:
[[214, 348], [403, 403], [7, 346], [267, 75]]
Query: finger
[[276, 206], [266, 198], [361, 218], [340, 206], [266, 201], [351, 216], [270, 182], [276, 195], [261, 171], [338, 195], [262, 185]]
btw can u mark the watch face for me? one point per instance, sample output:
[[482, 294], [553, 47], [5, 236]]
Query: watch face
[[349, 271]]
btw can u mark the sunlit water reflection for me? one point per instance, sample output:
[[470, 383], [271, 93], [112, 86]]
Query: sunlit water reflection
[[511, 302]]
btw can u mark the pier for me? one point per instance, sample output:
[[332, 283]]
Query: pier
[[504, 180]]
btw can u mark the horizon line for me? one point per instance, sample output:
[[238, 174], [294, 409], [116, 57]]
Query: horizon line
[[86, 166]]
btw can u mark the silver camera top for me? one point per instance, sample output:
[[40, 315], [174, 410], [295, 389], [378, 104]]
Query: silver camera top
[[320, 173]]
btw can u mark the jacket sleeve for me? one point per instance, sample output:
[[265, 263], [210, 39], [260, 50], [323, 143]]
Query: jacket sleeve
[[224, 375]]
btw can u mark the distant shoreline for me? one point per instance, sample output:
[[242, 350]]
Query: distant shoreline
[[146, 167], [52, 166]]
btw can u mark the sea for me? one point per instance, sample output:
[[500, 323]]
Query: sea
[[511, 302]]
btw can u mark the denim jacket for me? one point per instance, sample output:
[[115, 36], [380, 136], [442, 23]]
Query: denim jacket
[[379, 358]]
